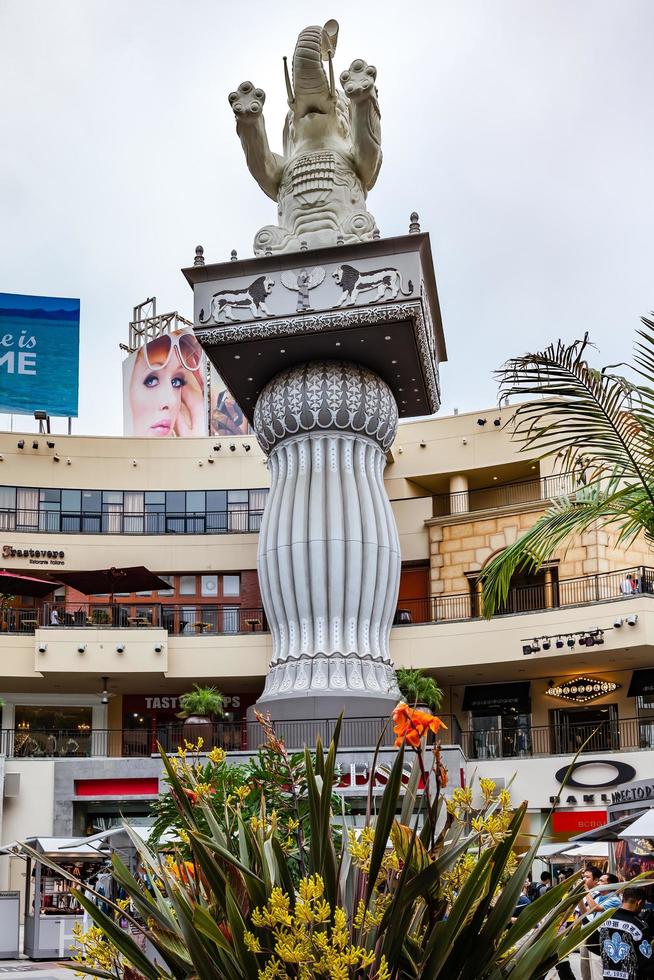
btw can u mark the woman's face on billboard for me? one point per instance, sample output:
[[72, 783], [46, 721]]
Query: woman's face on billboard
[[156, 396]]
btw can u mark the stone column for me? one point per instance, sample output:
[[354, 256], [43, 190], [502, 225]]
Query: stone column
[[329, 553], [459, 502]]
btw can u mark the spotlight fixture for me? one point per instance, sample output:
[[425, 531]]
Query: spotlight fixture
[[43, 647], [547, 643], [632, 620], [56, 458], [68, 462], [81, 648], [232, 447], [35, 444], [247, 447], [571, 641], [497, 422], [526, 649], [482, 421], [158, 648], [582, 640], [20, 444], [617, 622], [134, 463], [559, 642], [217, 447], [50, 444], [423, 444], [210, 460], [200, 463], [120, 648]]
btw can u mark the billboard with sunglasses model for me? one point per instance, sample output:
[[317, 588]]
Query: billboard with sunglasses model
[[225, 415], [164, 389], [39, 354]]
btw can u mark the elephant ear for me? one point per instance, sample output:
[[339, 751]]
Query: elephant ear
[[329, 39]]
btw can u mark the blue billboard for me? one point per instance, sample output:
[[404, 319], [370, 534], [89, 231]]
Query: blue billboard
[[39, 354]]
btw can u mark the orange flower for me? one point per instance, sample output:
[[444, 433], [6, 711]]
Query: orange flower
[[411, 724]]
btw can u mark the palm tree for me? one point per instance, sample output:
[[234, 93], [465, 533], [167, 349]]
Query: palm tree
[[600, 425]]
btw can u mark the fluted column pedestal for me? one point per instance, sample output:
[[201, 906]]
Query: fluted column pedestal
[[329, 554]]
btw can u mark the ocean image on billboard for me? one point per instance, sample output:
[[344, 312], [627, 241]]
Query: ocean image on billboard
[[39, 354]]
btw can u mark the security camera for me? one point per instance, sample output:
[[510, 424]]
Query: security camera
[[120, 648], [482, 421], [210, 460], [232, 447], [247, 447], [632, 620], [43, 647], [20, 444], [134, 462], [81, 648], [617, 622], [497, 422], [158, 648], [423, 444], [50, 444], [56, 457]]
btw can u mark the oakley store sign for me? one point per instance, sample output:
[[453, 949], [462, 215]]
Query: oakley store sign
[[35, 556]]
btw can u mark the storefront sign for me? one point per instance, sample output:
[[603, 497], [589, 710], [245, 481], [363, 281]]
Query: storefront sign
[[623, 773], [582, 689], [640, 792], [577, 821], [35, 556], [131, 786]]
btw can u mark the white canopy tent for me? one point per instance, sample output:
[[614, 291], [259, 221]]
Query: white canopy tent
[[643, 826]]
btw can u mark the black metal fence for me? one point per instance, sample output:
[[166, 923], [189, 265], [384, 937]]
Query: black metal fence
[[625, 735], [505, 494], [184, 620]]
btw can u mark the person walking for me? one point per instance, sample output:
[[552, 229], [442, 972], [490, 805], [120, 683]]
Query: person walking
[[625, 940], [594, 903]]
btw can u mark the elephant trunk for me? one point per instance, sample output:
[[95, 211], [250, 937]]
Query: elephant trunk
[[312, 87]]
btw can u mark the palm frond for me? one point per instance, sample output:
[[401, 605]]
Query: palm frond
[[578, 412]]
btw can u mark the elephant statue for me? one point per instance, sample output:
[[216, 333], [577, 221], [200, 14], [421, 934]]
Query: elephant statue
[[332, 149]]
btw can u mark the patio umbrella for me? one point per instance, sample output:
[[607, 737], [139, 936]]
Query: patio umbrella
[[25, 585], [107, 581]]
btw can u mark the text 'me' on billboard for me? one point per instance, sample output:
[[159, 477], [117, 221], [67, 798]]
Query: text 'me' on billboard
[[39, 355]]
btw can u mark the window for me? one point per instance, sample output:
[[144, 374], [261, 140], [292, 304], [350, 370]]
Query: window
[[187, 584], [195, 511], [230, 619], [155, 512], [133, 512], [91, 511], [112, 511], [216, 511], [231, 585], [71, 505], [7, 508], [27, 509], [209, 585], [171, 590], [237, 510], [49, 510]]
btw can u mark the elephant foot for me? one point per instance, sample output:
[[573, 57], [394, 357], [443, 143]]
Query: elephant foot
[[360, 226], [359, 82], [271, 239], [247, 102]]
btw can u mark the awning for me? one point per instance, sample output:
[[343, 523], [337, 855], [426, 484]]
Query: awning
[[609, 831], [108, 581], [642, 682], [593, 849], [25, 585], [495, 697], [643, 826]]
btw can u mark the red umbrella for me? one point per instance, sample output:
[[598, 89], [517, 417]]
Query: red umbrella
[[25, 585], [107, 581]]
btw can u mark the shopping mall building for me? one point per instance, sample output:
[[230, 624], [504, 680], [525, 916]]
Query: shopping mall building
[[87, 700]]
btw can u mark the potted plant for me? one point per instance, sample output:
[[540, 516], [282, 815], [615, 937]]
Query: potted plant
[[418, 689], [199, 707]]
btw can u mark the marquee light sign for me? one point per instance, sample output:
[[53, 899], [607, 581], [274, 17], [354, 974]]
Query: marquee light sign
[[581, 689]]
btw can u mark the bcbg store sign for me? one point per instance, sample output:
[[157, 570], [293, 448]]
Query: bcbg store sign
[[35, 556]]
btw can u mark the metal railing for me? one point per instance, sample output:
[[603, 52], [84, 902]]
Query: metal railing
[[231, 736], [188, 619], [233, 521], [505, 494], [625, 735], [581, 591]]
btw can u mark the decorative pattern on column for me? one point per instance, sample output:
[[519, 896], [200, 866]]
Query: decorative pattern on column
[[329, 552]]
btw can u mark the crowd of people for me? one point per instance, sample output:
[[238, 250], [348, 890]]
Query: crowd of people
[[623, 941]]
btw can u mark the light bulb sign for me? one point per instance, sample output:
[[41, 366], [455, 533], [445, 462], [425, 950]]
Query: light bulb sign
[[582, 689], [39, 355]]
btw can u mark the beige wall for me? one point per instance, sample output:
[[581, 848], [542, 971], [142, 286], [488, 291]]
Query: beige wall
[[30, 813]]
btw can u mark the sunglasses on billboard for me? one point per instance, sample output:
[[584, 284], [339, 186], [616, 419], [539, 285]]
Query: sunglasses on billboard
[[158, 351]]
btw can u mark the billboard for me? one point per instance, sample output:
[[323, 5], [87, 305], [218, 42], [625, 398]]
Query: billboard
[[39, 354], [164, 388], [225, 415]]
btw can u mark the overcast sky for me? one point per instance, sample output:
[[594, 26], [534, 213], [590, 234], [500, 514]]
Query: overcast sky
[[521, 131]]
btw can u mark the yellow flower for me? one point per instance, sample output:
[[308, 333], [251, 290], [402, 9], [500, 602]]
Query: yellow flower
[[216, 755], [487, 787], [251, 942], [242, 792]]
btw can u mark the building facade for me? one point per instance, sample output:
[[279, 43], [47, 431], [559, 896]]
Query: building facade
[[90, 684]]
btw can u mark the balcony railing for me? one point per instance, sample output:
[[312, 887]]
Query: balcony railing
[[234, 521], [183, 620], [625, 735], [505, 494], [581, 591], [231, 736]]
